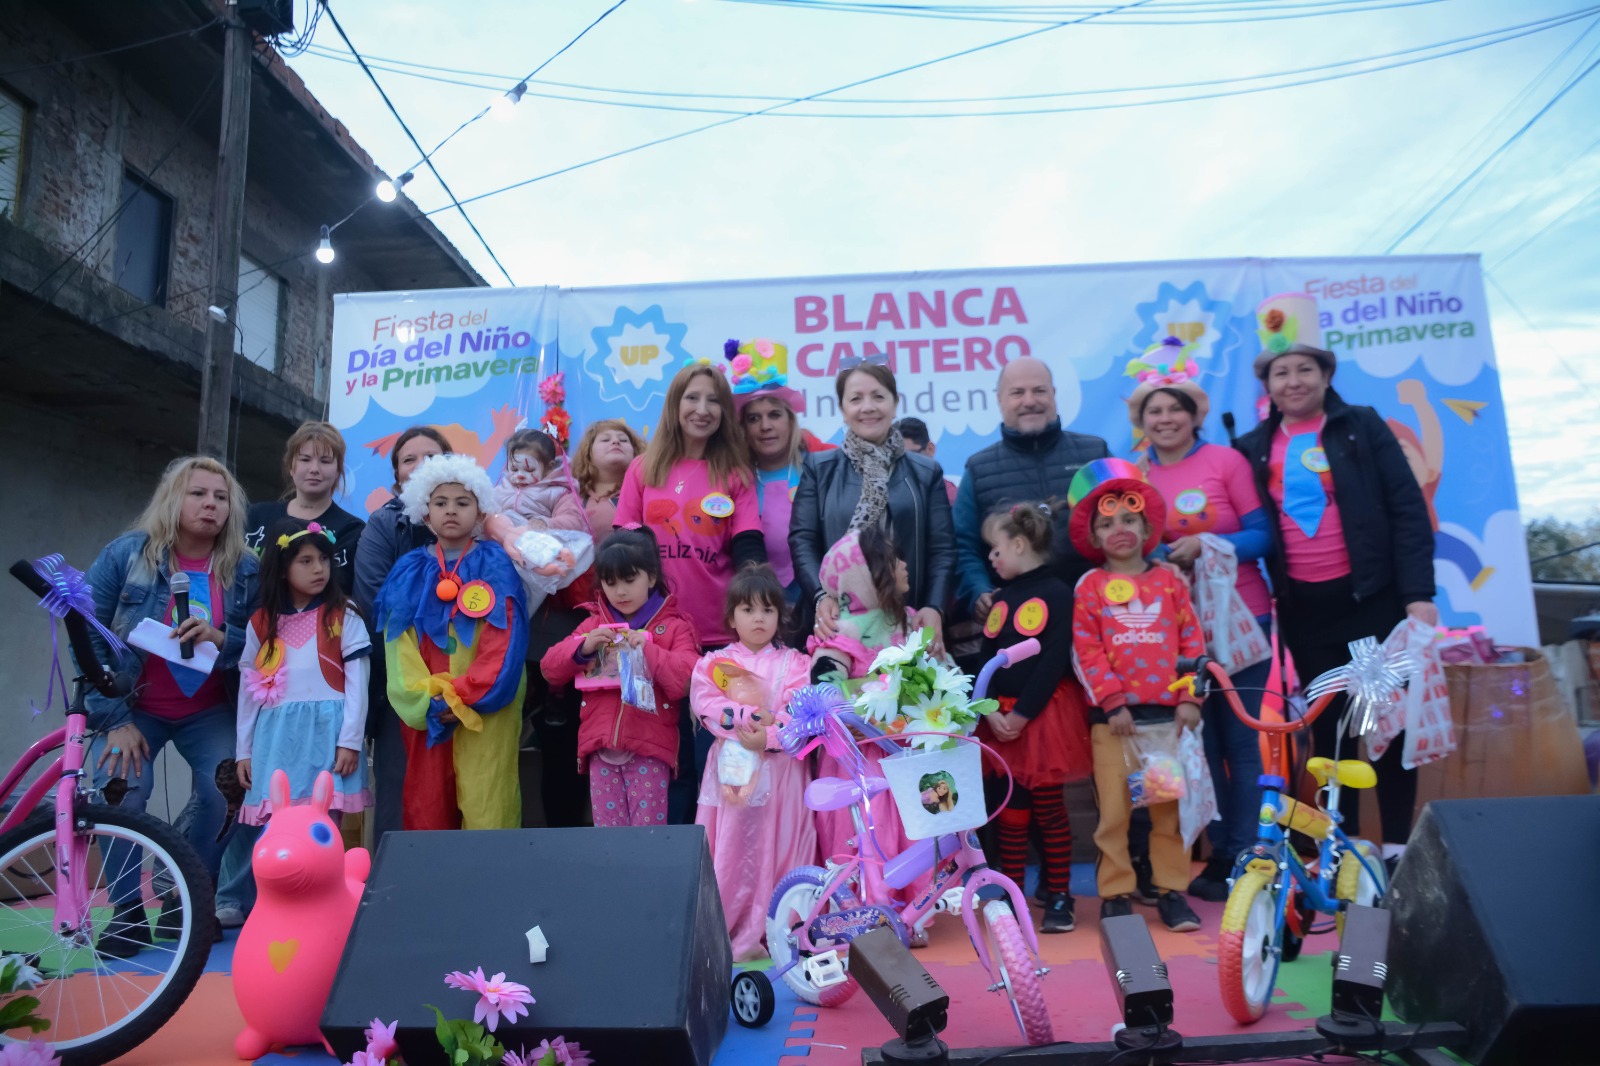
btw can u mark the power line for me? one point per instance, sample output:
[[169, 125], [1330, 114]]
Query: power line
[[392, 66], [1469, 43], [334, 19], [1494, 155], [112, 51], [1501, 289], [1026, 14], [1547, 227], [523, 82], [751, 114]]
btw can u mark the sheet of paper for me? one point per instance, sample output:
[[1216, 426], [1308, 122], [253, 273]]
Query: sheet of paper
[[155, 638]]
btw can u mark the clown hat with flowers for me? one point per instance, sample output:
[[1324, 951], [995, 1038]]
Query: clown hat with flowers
[[1288, 324], [759, 370], [1104, 487], [1167, 364]]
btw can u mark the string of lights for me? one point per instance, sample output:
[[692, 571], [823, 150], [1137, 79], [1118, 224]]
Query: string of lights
[[1184, 14]]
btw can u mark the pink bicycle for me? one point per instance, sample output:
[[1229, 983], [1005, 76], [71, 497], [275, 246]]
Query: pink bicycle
[[78, 883], [816, 911]]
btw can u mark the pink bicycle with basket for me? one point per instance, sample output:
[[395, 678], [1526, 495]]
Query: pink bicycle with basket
[[817, 911]]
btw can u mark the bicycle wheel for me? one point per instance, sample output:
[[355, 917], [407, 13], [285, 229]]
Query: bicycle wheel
[[1356, 883], [1009, 952], [107, 983], [792, 900], [1249, 947]]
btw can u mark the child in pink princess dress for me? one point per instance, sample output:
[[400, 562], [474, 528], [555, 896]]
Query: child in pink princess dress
[[864, 573], [752, 799]]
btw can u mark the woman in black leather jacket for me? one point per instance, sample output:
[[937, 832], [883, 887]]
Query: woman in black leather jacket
[[871, 480]]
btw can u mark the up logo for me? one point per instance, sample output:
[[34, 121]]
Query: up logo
[[635, 353]]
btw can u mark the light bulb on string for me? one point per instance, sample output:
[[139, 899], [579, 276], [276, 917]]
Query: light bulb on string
[[387, 190], [504, 105], [325, 251]]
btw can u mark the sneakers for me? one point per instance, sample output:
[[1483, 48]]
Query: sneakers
[[1058, 914], [127, 933], [1116, 907], [530, 738], [169, 923], [230, 917], [1176, 914], [1212, 884], [1144, 890]]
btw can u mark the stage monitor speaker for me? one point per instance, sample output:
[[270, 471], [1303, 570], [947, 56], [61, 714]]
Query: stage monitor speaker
[[1494, 927], [638, 968]]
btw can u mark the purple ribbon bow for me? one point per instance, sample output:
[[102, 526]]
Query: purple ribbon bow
[[69, 591]]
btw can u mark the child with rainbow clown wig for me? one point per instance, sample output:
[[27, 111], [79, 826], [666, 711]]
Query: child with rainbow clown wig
[[455, 630]]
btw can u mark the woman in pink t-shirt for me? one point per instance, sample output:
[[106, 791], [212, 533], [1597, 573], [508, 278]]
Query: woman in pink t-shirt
[[694, 488], [1207, 489], [1354, 541]]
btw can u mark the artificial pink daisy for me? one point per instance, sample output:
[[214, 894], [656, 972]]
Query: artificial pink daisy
[[565, 1054], [268, 689], [367, 1058], [32, 1053], [496, 996], [380, 1040]]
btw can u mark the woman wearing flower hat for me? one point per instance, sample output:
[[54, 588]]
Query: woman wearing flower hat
[[769, 413], [1208, 489], [1354, 545]]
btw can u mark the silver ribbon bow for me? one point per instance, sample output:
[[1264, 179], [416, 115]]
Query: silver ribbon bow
[[1372, 680]]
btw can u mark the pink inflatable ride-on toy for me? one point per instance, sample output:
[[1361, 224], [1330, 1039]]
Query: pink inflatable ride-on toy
[[308, 887]]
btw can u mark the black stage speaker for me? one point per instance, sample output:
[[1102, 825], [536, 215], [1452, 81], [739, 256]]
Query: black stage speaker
[[638, 967], [1494, 926]]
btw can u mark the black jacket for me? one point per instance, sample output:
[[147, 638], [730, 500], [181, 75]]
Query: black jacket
[[1385, 518], [919, 522], [1018, 468]]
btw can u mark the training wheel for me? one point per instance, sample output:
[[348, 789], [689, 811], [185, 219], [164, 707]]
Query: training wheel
[[752, 999]]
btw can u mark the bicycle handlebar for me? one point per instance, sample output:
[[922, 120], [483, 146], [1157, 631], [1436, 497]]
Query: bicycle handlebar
[[1205, 665], [77, 632]]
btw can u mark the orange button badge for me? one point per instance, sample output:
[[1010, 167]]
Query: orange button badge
[[1119, 590], [996, 620], [1031, 617], [269, 658], [476, 599]]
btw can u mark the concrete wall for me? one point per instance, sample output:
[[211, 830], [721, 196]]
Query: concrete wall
[[70, 491]]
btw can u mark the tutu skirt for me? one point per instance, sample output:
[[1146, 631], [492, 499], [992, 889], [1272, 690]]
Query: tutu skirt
[[1052, 750]]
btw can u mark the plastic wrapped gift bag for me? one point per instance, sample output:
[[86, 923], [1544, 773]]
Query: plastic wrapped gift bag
[[1155, 770], [542, 547], [938, 791]]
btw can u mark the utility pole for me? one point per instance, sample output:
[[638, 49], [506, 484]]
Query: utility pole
[[227, 217]]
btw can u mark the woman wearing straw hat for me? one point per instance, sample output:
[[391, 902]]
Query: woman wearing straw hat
[[1208, 489], [1354, 546]]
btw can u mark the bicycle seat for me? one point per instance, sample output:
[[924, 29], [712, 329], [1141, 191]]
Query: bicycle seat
[[1351, 773], [833, 793]]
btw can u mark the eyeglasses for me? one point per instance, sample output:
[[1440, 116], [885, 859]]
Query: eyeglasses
[[1111, 503]]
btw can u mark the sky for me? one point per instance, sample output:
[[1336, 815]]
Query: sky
[[1339, 167]]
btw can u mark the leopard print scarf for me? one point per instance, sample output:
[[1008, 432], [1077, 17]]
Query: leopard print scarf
[[872, 462]]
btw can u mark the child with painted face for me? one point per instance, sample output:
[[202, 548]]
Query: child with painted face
[[1132, 622], [303, 691], [1040, 734], [455, 631], [752, 797], [627, 745], [536, 486]]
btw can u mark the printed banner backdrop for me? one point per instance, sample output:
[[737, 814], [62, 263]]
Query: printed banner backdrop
[[468, 361], [1411, 334]]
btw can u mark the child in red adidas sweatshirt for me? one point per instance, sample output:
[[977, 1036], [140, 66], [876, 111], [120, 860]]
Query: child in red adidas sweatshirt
[[1131, 622]]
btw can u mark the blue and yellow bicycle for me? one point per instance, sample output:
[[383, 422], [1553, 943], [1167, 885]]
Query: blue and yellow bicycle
[[1275, 895]]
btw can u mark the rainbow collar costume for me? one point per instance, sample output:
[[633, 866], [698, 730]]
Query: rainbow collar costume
[[463, 654]]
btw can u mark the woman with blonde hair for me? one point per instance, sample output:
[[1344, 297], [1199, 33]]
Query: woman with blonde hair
[[694, 489], [313, 470], [193, 525]]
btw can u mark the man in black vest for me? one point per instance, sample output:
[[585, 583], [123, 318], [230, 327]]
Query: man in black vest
[[1034, 460]]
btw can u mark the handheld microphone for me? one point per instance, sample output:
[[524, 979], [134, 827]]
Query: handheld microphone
[[1228, 424], [179, 584]]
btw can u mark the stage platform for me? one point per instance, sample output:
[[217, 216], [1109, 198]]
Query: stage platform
[[1081, 1004]]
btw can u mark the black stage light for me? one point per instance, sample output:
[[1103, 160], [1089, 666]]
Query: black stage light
[[907, 996], [1359, 971], [1144, 995]]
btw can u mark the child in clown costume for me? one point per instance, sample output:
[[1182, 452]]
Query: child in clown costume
[[455, 635]]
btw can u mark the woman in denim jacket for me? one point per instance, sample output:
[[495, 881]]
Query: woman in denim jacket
[[194, 521]]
